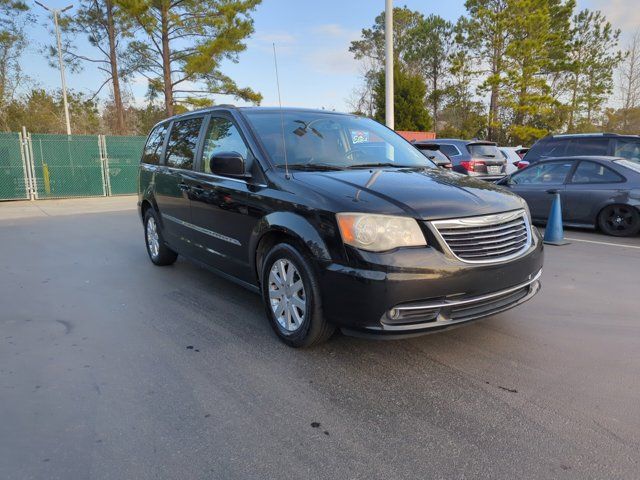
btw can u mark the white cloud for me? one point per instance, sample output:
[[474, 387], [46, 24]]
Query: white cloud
[[623, 14], [334, 61], [335, 30]]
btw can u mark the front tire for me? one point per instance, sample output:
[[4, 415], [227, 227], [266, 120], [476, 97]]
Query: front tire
[[619, 220], [291, 297], [158, 251]]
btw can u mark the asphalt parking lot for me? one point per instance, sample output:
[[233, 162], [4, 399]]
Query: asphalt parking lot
[[111, 367]]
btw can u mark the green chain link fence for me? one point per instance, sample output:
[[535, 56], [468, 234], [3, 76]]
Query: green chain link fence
[[67, 166], [123, 157], [13, 173], [60, 166]]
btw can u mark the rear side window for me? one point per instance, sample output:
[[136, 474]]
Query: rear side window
[[552, 147], [181, 148], [484, 151], [153, 148], [592, 172], [449, 150], [627, 148], [547, 173], [588, 146]]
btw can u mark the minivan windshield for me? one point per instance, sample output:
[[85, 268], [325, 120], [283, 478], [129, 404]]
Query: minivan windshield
[[328, 141]]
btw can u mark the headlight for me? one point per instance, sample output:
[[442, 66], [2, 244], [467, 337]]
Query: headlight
[[378, 233]]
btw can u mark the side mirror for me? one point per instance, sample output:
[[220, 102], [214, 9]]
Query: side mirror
[[230, 164]]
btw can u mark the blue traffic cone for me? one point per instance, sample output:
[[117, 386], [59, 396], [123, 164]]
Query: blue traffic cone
[[553, 233]]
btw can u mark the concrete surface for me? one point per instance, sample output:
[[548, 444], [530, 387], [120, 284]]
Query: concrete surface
[[111, 368], [55, 208]]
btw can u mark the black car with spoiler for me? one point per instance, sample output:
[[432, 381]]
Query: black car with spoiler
[[335, 220]]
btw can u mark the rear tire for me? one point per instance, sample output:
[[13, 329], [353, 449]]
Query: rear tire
[[158, 251], [291, 296], [619, 220]]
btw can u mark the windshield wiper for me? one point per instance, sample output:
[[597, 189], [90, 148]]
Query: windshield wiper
[[387, 164], [320, 167]]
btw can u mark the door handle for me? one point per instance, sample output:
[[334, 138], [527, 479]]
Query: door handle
[[553, 191]]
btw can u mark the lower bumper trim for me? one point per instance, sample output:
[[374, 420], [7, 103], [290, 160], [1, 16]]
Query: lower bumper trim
[[442, 314]]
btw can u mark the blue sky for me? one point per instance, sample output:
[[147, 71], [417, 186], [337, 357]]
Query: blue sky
[[312, 38]]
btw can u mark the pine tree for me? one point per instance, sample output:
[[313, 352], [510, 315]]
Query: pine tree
[[408, 102], [12, 43], [186, 42], [429, 50]]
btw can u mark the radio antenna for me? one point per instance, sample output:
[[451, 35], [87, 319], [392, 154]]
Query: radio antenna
[[284, 143]]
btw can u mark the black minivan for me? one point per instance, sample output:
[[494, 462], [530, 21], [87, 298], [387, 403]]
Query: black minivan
[[336, 220]]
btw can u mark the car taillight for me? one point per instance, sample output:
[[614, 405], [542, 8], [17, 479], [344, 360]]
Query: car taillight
[[522, 164], [472, 165]]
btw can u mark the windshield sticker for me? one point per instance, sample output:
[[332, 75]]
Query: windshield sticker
[[359, 136]]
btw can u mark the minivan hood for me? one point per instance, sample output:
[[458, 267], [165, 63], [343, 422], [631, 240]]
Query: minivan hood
[[421, 193]]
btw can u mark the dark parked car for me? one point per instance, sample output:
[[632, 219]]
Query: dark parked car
[[433, 153], [474, 158], [335, 220], [599, 192], [579, 145]]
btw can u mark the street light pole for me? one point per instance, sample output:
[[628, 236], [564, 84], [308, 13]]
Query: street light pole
[[56, 13], [388, 63]]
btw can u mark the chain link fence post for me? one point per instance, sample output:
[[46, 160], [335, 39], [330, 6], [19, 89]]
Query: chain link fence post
[[26, 164], [105, 163]]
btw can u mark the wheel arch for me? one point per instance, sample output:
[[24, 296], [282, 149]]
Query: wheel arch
[[285, 226]]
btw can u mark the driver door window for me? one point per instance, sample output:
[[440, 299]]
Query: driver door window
[[222, 136]]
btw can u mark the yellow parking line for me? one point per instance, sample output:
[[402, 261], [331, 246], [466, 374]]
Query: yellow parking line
[[602, 243]]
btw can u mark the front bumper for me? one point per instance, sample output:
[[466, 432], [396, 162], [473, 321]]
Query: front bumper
[[425, 290]]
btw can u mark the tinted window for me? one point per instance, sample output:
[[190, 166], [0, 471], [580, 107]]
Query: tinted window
[[552, 147], [222, 136], [548, 173], [153, 148], [449, 150], [485, 151], [627, 148], [588, 146], [435, 155], [432, 154], [182, 143], [592, 172]]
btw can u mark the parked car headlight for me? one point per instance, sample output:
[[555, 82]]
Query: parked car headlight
[[378, 233]]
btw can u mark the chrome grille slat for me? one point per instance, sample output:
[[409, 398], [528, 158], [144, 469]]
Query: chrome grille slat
[[487, 238], [471, 236], [470, 242], [489, 248], [466, 230]]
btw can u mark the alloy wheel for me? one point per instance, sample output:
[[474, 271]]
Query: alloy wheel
[[619, 219], [153, 239], [286, 295]]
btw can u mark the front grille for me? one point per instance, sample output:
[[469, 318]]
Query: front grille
[[488, 238]]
